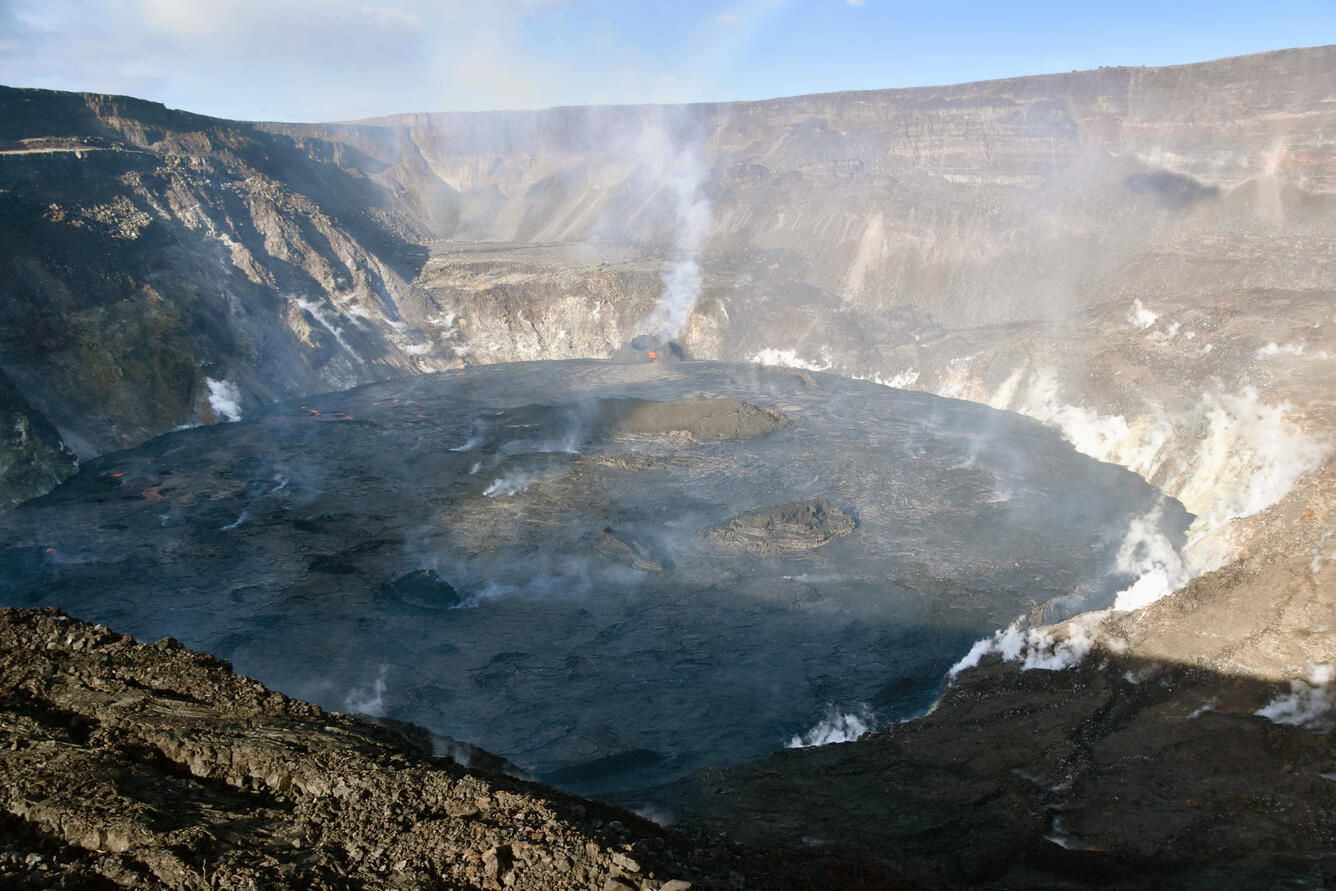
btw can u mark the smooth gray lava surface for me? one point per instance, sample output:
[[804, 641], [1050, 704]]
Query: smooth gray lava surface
[[521, 556]]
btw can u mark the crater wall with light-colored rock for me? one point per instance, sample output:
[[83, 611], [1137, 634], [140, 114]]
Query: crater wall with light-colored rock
[[1141, 258]]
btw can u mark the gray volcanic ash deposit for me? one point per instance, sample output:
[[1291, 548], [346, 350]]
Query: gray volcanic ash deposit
[[610, 574]]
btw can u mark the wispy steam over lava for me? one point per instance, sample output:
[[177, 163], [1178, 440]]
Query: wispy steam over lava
[[681, 167], [625, 531]]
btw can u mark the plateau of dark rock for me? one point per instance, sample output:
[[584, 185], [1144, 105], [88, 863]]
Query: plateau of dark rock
[[423, 587], [723, 419]]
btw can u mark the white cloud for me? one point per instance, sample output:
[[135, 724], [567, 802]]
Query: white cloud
[[392, 16], [347, 59], [283, 59], [855, 2]]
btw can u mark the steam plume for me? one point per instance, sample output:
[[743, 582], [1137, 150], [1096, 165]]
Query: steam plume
[[836, 727], [683, 168], [1307, 704], [224, 399]]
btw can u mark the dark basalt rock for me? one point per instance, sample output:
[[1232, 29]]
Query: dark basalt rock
[[423, 587], [518, 555]]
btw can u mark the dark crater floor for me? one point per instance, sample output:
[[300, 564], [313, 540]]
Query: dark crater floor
[[610, 574]]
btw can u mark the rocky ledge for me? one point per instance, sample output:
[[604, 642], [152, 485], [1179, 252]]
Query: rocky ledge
[[129, 765]]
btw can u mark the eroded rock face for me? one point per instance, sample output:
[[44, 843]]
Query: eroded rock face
[[128, 765], [147, 253], [32, 457]]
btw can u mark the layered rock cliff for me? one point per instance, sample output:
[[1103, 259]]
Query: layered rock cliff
[[1132, 255], [1140, 258]]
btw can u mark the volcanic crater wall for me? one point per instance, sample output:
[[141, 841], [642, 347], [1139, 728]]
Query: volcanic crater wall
[[1112, 252], [1142, 258]]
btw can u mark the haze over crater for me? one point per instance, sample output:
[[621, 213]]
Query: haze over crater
[[581, 570], [1140, 260]]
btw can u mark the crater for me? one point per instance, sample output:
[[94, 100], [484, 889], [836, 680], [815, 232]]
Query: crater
[[608, 573]]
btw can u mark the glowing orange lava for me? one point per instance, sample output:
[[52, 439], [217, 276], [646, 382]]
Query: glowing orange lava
[[652, 355]]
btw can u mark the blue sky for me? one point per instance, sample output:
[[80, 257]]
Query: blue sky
[[334, 59]]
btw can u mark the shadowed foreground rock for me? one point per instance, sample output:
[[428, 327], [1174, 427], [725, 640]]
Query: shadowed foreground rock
[[1173, 755], [151, 766], [1117, 774]]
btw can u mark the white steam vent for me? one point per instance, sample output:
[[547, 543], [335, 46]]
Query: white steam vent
[[224, 399], [1149, 555], [1140, 316], [835, 727], [1307, 704], [1048, 649], [367, 701]]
